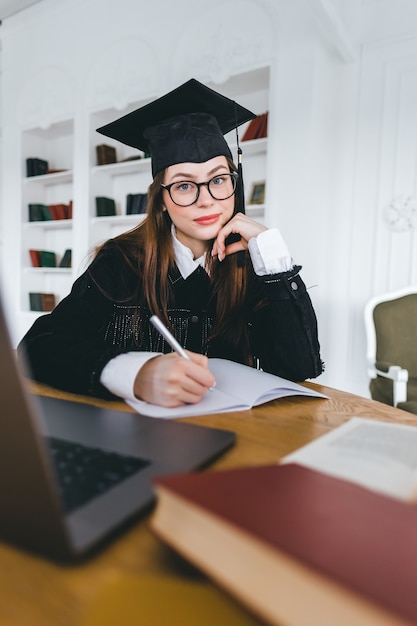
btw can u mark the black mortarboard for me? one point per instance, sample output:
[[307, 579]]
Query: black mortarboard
[[185, 125]]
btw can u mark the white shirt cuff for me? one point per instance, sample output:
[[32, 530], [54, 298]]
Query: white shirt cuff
[[269, 253], [118, 376]]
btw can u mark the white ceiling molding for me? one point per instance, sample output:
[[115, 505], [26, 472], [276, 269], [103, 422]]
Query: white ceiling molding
[[10, 7], [334, 30], [215, 55]]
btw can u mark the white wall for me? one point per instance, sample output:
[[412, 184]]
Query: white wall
[[342, 126], [1, 170]]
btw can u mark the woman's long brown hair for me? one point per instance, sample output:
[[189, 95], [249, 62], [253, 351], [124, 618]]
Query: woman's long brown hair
[[150, 245]]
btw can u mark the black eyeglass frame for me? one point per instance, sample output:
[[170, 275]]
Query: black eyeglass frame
[[233, 176]]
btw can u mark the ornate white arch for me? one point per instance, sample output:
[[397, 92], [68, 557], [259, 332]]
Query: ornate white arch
[[48, 96], [220, 43], [126, 71]]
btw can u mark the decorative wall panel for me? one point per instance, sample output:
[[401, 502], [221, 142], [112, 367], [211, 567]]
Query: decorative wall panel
[[127, 71], [384, 235], [47, 97], [217, 44]]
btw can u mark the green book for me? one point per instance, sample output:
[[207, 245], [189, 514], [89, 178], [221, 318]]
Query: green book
[[105, 206], [38, 212], [48, 258], [35, 301], [66, 259], [46, 212]]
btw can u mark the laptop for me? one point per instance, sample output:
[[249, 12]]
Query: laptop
[[73, 475]]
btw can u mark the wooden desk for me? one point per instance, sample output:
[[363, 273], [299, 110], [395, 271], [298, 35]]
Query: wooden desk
[[35, 592]]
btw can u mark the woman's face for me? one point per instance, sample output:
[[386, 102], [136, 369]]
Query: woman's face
[[197, 224]]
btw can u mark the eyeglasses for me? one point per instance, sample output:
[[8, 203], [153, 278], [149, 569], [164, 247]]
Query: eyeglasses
[[186, 192]]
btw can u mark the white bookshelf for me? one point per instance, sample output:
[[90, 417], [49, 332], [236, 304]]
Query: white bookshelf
[[83, 180]]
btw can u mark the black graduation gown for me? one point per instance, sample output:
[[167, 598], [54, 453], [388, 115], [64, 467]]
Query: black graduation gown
[[69, 347]]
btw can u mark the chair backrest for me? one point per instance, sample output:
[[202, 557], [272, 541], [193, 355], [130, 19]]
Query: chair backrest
[[391, 329]]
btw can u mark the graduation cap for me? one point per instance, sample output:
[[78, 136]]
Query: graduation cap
[[185, 125]]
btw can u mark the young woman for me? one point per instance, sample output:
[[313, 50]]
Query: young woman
[[224, 284]]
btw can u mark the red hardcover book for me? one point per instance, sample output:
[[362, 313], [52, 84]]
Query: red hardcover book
[[263, 126], [61, 211], [296, 546], [48, 301], [35, 257], [53, 211], [252, 129]]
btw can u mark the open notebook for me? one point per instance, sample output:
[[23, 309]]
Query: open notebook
[[238, 388]]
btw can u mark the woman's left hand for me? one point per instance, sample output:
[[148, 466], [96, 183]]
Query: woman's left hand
[[242, 225]]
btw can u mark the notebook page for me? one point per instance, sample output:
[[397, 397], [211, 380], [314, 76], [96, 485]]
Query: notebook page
[[238, 387]]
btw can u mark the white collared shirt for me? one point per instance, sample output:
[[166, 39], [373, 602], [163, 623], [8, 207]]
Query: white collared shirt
[[268, 251]]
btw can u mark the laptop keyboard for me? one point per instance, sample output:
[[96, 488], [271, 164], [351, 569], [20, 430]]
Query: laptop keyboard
[[85, 472]]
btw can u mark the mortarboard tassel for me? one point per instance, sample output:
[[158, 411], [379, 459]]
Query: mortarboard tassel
[[240, 189], [241, 256]]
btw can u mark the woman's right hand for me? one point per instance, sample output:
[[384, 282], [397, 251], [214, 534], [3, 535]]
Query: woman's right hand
[[170, 380]]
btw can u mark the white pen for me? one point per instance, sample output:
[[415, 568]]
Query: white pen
[[171, 339]]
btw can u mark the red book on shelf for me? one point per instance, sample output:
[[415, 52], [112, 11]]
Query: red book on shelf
[[263, 127], [35, 257], [48, 301], [58, 211], [252, 129], [53, 211], [295, 545], [62, 211]]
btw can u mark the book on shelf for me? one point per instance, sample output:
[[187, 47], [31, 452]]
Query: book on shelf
[[257, 128], [42, 258], [41, 301], [35, 257], [294, 545], [134, 157], [59, 211], [36, 166], [56, 211], [47, 258], [45, 212], [136, 203], [105, 154], [39, 212], [66, 260], [52, 170], [238, 388], [105, 206], [263, 130], [48, 301]]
